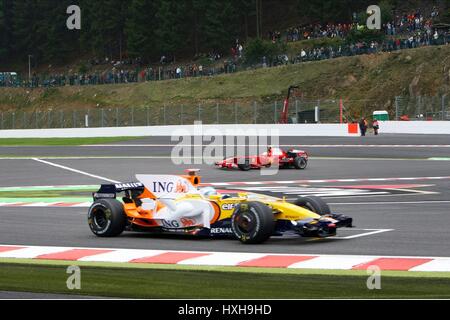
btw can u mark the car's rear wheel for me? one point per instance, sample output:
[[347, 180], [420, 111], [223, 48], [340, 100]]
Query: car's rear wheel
[[106, 218], [253, 222], [300, 163], [314, 204], [246, 166]]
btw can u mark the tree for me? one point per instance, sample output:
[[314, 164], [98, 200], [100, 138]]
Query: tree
[[243, 9], [257, 48], [60, 40], [364, 35], [5, 29], [26, 29], [172, 33], [215, 24], [325, 11], [140, 29], [445, 16], [104, 26], [220, 25]]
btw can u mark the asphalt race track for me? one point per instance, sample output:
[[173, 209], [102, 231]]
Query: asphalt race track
[[398, 197]]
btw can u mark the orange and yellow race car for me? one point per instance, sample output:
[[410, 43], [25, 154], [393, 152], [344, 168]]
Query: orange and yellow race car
[[178, 204]]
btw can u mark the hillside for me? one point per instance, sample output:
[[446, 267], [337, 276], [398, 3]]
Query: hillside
[[370, 81]]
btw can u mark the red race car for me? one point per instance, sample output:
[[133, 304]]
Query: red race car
[[274, 156]]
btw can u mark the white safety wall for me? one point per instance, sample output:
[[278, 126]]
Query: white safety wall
[[415, 127], [332, 130], [290, 130]]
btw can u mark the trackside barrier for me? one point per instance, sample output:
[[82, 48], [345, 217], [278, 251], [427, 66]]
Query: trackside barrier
[[415, 127], [289, 130]]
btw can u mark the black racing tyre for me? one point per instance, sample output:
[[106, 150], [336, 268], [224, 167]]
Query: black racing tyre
[[252, 222], [245, 166], [300, 163], [314, 204], [106, 218]]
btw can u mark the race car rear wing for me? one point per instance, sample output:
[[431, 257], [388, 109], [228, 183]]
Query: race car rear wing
[[110, 191], [152, 186]]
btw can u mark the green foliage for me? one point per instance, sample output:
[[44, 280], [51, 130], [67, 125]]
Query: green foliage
[[445, 16], [140, 28], [219, 25], [330, 10], [170, 33], [104, 31], [120, 28], [364, 35], [83, 68], [256, 49], [39, 29], [149, 28], [387, 11], [3, 31]]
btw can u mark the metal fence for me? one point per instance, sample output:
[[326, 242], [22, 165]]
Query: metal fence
[[237, 113], [422, 108], [413, 108]]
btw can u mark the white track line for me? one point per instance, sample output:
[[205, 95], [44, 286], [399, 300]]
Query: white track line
[[369, 233], [332, 262], [221, 184], [211, 158], [387, 203], [282, 146], [75, 170], [437, 265]]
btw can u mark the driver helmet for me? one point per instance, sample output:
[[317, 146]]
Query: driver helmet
[[208, 191]]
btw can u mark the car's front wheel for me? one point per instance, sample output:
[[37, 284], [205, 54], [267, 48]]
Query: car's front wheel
[[253, 222], [314, 204], [106, 218], [300, 163]]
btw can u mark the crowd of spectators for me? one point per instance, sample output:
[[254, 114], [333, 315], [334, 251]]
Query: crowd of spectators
[[313, 31], [412, 22], [124, 76], [359, 48], [406, 31], [408, 22]]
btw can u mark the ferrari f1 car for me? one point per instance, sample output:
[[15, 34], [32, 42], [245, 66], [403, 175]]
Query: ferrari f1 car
[[274, 156], [177, 204]]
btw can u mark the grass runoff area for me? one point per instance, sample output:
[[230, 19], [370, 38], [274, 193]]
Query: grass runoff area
[[376, 78], [62, 141], [51, 193], [186, 282]]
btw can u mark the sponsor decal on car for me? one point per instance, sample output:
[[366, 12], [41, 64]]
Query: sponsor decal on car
[[228, 206], [170, 224], [221, 231], [104, 195], [166, 186], [129, 185], [187, 222]]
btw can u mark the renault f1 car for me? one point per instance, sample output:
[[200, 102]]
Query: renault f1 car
[[176, 204], [273, 157]]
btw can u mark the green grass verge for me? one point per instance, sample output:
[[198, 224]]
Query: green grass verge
[[184, 282], [47, 194], [366, 83], [62, 141], [37, 195]]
